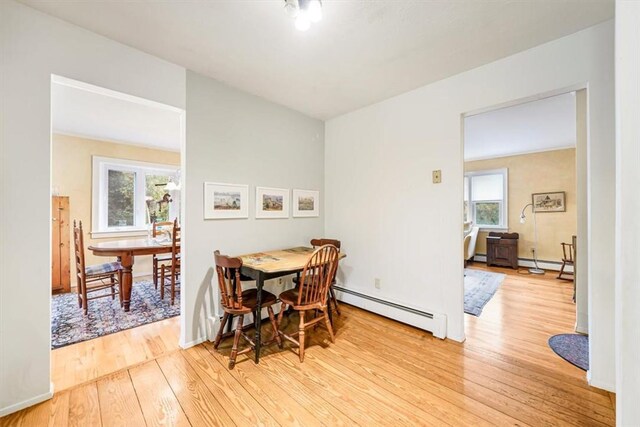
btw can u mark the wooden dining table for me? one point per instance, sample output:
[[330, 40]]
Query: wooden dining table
[[126, 251], [267, 265]]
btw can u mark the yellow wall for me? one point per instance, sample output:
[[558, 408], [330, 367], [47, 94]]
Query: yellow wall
[[537, 173], [72, 176]]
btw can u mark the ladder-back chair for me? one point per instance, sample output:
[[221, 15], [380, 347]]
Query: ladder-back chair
[[568, 259], [158, 228], [94, 278], [172, 270]]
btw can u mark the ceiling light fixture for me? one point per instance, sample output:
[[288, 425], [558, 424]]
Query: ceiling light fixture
[[304, 12]]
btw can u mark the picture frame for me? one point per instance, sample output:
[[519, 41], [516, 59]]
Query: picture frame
[[306, 203], [549, 202], [272, 202], [226, 201]]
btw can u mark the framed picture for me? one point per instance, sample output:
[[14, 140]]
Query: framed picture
[[225, 201], [549, 202], [272, 202], [306, 203]]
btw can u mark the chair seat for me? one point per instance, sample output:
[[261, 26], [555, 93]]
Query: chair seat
[[107, 267], [250, 298]]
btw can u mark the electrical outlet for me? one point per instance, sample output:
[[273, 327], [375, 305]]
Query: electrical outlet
[[437, 176], [376, 283], [280, 281]]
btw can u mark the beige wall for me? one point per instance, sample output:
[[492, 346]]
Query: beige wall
[[72, 176], [537, 173]]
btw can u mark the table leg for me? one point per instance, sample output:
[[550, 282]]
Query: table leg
[[258, 315], [127, 266]]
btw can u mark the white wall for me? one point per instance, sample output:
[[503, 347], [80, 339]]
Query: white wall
[[628, 206], [34, 46], [397, 226], [234, 137]]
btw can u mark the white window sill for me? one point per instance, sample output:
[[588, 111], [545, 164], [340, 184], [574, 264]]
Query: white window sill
[[111, 234], [496, 229]]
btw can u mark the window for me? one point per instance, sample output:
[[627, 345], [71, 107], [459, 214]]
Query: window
[[485, 198], [129, 195]]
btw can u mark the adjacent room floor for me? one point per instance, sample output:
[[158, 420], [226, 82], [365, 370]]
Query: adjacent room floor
[[378, 371]]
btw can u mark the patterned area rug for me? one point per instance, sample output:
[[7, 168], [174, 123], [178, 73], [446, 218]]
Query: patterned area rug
[[69, 325], [574, 348], [479, 287]]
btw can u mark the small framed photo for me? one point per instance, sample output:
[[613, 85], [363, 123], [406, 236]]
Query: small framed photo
[[306, 203], [272, 202], [225, 201], [549, 202]]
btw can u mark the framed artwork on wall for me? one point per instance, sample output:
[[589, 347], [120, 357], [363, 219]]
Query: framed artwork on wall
[[549, 202], [225, 201], [272, 202], [306, 203]]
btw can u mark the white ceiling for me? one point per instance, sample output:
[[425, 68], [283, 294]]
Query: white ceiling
[[547, 124], [125, 119], [360, 53]]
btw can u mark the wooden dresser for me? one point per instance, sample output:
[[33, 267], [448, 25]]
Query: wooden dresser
[[502, 249]]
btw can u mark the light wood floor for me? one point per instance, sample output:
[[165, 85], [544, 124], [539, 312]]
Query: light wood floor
[[378, 372]]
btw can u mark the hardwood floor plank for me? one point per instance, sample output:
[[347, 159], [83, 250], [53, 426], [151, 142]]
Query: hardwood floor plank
[[84, 406], [288, 405], [239, 404], [379, 372], [52, 413], [159, 405], [119, 404], [199, 404]]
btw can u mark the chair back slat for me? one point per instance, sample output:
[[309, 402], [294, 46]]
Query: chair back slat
[[78, 243], [567, 248], [158, 227], [175, 242], [228, 271], [317, 276]]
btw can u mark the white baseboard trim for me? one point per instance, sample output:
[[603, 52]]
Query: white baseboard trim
[[436, 323], [193, 343], [26, 403], [527, 262]]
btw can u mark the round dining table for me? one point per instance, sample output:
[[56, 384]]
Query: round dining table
[[126, 251]]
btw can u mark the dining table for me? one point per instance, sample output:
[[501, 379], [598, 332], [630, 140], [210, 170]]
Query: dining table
[[126, 251], [267, 265]]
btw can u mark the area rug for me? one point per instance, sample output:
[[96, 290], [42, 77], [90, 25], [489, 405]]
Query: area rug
[[69, 325], [479, 287], [574, 348]]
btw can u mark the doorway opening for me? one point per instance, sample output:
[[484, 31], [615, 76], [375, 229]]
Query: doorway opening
[[116, 204], [525, 221]]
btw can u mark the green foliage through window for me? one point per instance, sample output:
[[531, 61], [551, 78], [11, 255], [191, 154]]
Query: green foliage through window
[[487, 213], [121, 198]]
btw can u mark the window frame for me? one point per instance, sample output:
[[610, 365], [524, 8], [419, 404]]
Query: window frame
[[504, 203], [100, 194]]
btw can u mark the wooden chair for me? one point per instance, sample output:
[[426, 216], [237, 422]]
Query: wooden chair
[[236, 302], [94, 278], [316, 243], [156, 229], [172, 270], [567, 259], [312, 294]]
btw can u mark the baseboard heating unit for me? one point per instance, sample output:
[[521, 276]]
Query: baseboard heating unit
[[433, 322]]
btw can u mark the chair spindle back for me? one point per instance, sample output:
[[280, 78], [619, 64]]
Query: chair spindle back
[[228, 270], [317, 276]]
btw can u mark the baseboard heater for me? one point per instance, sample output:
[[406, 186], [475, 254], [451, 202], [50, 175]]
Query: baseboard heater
[[433, 322], [528, 262]]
